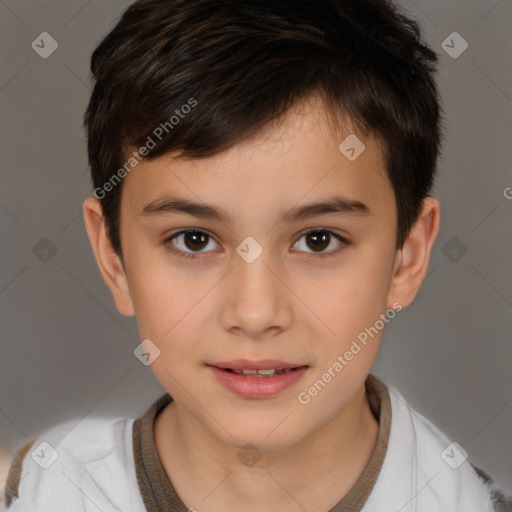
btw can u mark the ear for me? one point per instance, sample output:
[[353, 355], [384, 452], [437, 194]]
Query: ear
[[109, 262], [411, 262]]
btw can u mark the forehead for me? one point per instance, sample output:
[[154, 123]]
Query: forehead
[[296, 159]]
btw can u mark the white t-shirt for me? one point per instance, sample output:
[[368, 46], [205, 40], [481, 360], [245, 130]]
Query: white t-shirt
[[93, 466]]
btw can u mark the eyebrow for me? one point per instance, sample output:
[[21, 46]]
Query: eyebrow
[[332, 205]]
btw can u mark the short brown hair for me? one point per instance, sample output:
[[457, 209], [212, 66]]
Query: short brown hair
[[244, 64]]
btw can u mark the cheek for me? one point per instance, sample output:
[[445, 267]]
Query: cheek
[[358, 294], [353, 301], [172, 307], [163, 308], [169, 317], [157, 296]]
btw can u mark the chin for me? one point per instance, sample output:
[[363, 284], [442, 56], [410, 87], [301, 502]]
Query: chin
[[265, 436]]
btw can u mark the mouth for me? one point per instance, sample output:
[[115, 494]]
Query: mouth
[[257, 379]]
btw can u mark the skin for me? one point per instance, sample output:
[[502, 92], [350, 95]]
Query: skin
[[290, 304]]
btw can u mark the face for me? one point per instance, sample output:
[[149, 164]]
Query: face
[[267, 282]]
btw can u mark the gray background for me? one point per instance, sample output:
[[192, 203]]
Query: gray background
[[67, 353]]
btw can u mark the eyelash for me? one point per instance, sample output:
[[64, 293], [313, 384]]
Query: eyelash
[[197, 255]]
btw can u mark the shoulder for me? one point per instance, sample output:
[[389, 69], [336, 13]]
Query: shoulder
[[435, 472], [77, 466]]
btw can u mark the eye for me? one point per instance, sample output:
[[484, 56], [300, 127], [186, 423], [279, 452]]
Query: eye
[[193, 239], [320, 239]]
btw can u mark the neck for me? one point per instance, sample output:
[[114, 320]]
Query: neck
[[208, 475]]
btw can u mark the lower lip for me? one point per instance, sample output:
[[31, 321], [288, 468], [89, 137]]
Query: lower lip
[[249, 386]]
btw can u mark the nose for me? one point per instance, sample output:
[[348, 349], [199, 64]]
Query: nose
[[256, 304]]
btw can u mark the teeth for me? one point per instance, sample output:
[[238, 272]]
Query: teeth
[[263, 373], [267, 372]]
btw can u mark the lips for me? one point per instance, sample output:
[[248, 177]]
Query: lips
[[257, 379]]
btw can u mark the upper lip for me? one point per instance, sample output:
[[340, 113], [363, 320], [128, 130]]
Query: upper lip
[[264, 364]]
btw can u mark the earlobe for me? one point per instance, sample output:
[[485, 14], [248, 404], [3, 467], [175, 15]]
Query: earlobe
[[412, 259], [108, 260]]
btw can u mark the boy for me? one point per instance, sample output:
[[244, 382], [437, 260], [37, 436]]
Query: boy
[[226, 140]]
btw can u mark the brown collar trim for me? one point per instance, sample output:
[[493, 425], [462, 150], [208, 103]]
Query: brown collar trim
[[157, 491], [380, 404], [14, 473], [159, 495]]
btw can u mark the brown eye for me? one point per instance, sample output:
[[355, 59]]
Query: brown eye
[[190, 241], [195, 240], [318, 240]]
